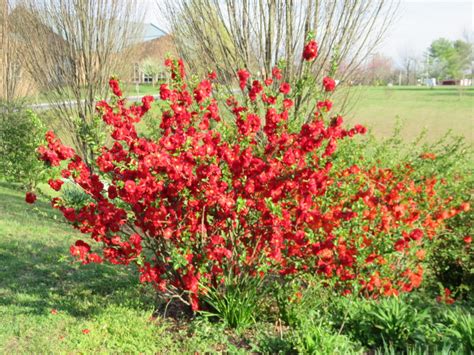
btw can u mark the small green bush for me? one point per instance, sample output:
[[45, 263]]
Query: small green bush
[[21, 131], [460, 329], [311, 337], [389, 321], [74, 196], [236, 302]]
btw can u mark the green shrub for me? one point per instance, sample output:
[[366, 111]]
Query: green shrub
[[21, 132], [235, 302], [314, 338], [388, 321], [299, 299], [74, 196], [460, 329]]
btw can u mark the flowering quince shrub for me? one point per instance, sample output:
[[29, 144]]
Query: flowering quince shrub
[[190, 209]]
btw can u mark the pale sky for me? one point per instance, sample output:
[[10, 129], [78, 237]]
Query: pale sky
[[419, 22], [422, 21]]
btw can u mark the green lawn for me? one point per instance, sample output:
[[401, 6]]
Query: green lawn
[[438, 110], [133, 90]]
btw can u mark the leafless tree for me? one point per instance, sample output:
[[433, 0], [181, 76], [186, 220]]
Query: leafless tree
[[468, 37], [379, 69], [71, 48], [9, 56], [409, 65], [256, 34]]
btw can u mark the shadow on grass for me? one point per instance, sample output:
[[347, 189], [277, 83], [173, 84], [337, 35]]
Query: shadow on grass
[[37, 273], [12, 203], [37, 282]]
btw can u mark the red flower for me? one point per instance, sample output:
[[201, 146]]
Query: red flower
[[255, 90], [360, 129], [94, 258], [55, 184], [182, 72], [80, 250], [276, 73], [310, 51], [54, 311], [243, 77], [85, 331], [30, 197], [285, 88], [112, 192], [287, 103], [416, 234], [165, 92], [467, 239], [324, 105], [114, 85], [146, 103], [212, 75], [203, 91], [446, 297], [429, 156], [329, 84]]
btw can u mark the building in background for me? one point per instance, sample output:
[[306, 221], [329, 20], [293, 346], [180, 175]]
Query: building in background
[[150, 54]]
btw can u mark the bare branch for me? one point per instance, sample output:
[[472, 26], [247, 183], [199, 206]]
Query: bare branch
[[225, 35], [71, 48]]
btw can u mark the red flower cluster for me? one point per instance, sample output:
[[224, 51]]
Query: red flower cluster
[[55, 151], [243, 77], [114, 86], [329, 84], [310, 51], [268, 202], [285, 88], [445, 297]]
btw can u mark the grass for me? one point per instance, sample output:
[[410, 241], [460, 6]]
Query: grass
[[36, 276], [144, 89], [438, 110]]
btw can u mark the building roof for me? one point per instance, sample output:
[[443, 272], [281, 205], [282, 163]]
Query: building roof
[[156, 49], [152, 32]]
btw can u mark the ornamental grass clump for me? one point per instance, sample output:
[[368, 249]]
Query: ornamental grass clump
[[190, 208]]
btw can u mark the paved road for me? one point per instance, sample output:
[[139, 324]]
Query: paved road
[[47, 105]]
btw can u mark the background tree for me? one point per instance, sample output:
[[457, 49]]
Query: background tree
[[71, 48], [449, 59], [21, 132], [256, 34], [409, 65], [9, 56], [378, 70], [152, 68]]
